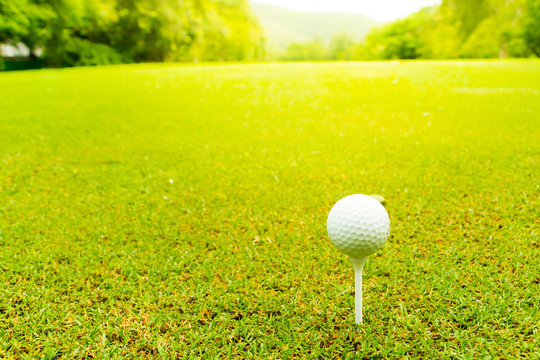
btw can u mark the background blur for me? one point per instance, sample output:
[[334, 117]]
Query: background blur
[[58, 33]]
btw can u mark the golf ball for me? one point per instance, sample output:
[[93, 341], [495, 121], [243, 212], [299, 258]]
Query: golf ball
[[358, 225]]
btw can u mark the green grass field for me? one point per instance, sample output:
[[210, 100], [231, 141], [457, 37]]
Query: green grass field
[[162, 211]]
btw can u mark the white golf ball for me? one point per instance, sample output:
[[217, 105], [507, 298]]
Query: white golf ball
[[358, 225]]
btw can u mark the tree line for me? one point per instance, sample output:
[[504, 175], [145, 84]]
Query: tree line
[[455, 29], [94, 32]]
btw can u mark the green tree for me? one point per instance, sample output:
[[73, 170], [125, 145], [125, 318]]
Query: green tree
[[458, 28], [63, 26], [441, 42], [87, 32], [313, 50], [25, 21], [466, 14], [341, 47], [483, 42], [531, 33], [402, 39], [226, 30]]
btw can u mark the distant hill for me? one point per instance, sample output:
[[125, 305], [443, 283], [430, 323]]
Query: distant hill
[[283, 26]]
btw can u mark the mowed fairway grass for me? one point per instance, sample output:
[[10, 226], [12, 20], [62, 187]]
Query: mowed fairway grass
[[163, 211]]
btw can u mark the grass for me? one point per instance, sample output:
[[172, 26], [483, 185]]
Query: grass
[[162, 211]]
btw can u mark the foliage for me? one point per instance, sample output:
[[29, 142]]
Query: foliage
[[74, 32], [64, 28], [456, 29], [132, 30], [178, 211], [146, 30], [341, 47], [25, 21], [481, 43], [532, 27], [466, 14], [402, 39], [441, 41], [223, 39], [81, 52], [314, 50]]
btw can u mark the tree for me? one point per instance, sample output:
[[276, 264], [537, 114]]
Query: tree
[[531, 33], [458, 28], [441, 42], [25, 21], [226, 30], [313, 50], [483, 42], [402, 39], [86, 32], [63, 26], [466, 14], [341, 47]]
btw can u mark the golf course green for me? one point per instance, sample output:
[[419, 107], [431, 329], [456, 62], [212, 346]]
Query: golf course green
[[179, 210]]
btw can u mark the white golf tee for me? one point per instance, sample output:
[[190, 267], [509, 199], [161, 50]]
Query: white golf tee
[[358, 265]]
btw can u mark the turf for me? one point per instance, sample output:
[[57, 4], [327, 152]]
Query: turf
[[162, 211]]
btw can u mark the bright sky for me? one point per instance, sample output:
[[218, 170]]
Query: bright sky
[[382, 10]]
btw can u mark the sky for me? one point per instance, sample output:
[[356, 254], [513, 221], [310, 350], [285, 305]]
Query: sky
[[381, 10]]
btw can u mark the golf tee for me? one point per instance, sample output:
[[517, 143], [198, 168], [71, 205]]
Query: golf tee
[[358, 265]]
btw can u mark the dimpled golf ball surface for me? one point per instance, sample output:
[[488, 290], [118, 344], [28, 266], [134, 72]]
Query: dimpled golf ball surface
[[358, 225]]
